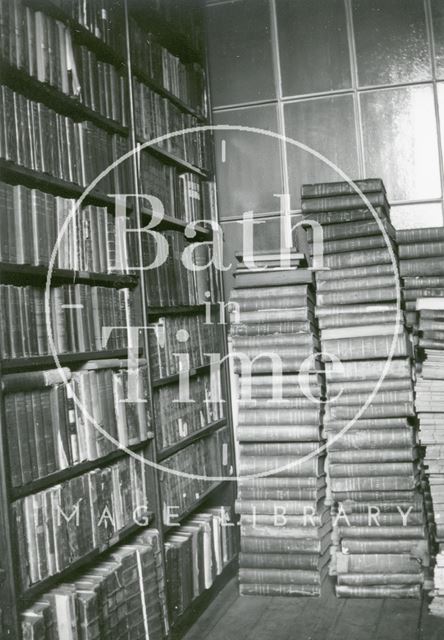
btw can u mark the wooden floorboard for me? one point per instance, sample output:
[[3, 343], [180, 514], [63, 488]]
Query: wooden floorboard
[[356, 620], [327, 618]]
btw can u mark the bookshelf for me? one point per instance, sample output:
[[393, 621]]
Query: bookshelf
[[103, 38]]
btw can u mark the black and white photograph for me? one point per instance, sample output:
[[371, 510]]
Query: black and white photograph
[[221, 319]]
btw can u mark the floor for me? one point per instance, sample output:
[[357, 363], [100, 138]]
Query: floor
[[230, 617]]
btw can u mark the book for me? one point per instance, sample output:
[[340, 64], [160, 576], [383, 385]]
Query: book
[[328, 189], [339, 202], [297, 276]]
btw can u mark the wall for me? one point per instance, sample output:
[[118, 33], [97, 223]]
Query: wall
[[359, 81]]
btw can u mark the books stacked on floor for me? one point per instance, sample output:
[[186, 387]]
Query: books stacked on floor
[[123, 596], [285, 525], [48, 428], [78, 313], [430, 409], [195, 554], [373, 463], [421, 265], [436, 607]]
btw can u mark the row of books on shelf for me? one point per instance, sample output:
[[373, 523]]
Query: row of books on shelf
[[183, 195], [186, 20], [155, 62], [122, 596], [195, 554], [174, 336], [102, 18], [173, 283], [78, 314], [82, 239], [43, 47], [38, 138], [194, 470], [101, 87], [58, 418], [46, 49], [156, 116], [60, 525], [35, 224], [176, 419]]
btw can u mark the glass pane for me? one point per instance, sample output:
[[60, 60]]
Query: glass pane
[[313, 46], [416, 216], [400, 141], [266, 235], [248, 164], [438, 34], [391, 41], [328, 126], [440, 91], [240, 58]]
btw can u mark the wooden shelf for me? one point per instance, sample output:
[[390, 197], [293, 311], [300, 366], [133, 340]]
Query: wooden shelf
[[198, 503], [156, 312], [193, 437], [152, 84], [81, 34], [45, 362], [73, 472], [175, 224], [37, 590], [20, 273], [162, 382], [174, 41], [17, 174], [20, 81], [163, 154]]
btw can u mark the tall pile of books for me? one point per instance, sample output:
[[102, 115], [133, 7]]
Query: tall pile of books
[[373, 467], [421, 266], [284, 522], [430, 408]]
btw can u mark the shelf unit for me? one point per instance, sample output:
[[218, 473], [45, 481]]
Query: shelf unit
[[12, 599], [36, 591], [75, 471]]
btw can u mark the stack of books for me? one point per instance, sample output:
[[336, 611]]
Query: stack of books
[[123, 596], [421, 265], [373, 465], [285, 524], [430, 408], [436, 607]]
